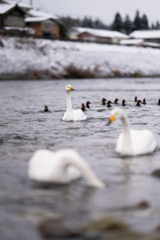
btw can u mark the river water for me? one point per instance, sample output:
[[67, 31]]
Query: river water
[[25, 127]]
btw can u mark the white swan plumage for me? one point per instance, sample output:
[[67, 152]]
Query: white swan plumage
[[132, 142], [70, 114], [60, 167]]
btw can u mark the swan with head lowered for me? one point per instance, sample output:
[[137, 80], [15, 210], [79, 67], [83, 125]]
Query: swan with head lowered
[[132, 142], [70, 114], [60, 167]]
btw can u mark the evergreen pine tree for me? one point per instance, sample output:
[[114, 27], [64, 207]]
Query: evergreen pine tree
[[137, 21], [144, 22], [128, 25], [117, 24], [153, 26], [157, 25]]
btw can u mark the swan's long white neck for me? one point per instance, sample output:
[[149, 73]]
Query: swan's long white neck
[[127, 143], [77, 161], [69, 102]]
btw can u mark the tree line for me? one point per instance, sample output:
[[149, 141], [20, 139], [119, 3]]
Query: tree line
[[118, 24]]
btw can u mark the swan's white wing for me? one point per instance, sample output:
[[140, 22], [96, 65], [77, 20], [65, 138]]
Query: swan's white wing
[[73, 173], [78, 115], [41, 165], [143, 141]]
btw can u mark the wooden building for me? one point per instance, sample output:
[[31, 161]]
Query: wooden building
[[44, 26], [11, 15], [147, 35], [96, 35]]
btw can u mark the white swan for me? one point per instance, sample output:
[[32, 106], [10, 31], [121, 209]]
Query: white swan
[[132, 142], [60, 167], [70, 114]]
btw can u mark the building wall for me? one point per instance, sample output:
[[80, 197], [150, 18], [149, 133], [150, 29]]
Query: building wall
[[154, 40], [87, 37], [14, 18], [47, 28], [38, 29]]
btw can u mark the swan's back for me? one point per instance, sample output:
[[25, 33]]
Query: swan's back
[[78, 115], [45, 166], [142, 141], [42, 165]]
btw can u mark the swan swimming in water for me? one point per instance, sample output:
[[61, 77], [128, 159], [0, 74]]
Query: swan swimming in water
[[60, 167], [132, 142], [70, 114]]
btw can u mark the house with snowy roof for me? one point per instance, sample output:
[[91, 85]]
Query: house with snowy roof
[[97, 35], [147, 35], [45, 24], [20, 18], [12, 19]]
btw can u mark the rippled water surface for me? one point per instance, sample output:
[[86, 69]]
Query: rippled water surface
[[24, 128]]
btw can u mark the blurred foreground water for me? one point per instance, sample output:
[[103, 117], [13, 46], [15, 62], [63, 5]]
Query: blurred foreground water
[[25, 127]]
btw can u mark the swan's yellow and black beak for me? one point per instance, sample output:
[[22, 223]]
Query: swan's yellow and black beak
[[111, 119], [70, 88]]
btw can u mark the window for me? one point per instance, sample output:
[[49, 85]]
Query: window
[[47, 26]]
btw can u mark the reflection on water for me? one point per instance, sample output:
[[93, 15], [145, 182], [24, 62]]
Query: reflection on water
[[25, 127]]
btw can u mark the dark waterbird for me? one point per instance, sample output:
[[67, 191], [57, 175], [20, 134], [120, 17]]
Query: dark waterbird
[[83, 107], [144, 101], [109, 104], [87, 104], [135, 99], [123, 102], [45, 109], [104, 101], [159, 101], [138, 103], [116, 101]]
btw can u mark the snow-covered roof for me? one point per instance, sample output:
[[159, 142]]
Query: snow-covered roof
[[38, 13], [19, 3], [101, 33], [6, 7], [24, 5], [38, 19], [145, 34], [131, 41]]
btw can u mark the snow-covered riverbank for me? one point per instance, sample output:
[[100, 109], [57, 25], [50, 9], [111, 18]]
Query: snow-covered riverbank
[[23, 58]]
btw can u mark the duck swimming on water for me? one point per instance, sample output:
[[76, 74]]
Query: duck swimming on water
[[138, 103], [109, 104], [132, 142], [87, 104], [104, 101], [123, 102], [144, 101], [45, 109], [83, 107], [116, 101]]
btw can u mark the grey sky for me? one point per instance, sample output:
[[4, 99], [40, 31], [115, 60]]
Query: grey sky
[[102, 9]]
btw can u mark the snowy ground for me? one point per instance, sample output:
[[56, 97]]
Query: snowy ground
[[30, 58]]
